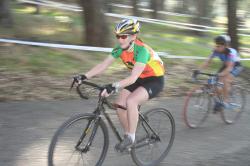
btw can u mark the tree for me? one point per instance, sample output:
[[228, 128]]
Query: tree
[[162, 5], [96, 29], [155, 7], [5, 13], [37, 8], [183, 6], [203, 9], [108, 6], [232, 22], [135, 8]]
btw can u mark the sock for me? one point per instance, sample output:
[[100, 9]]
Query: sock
[[132, 136]]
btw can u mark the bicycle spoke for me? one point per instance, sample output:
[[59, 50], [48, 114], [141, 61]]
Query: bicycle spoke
[[196, 107], [68, 160], [150, 151], [237, 103], [62, 151]]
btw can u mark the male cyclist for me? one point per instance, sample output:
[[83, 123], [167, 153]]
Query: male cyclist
[[145, 81], [231, 66]]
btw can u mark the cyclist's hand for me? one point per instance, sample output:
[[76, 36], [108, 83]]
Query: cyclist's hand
[[196, 72], [194, 75], [79, 78], [108, 90]]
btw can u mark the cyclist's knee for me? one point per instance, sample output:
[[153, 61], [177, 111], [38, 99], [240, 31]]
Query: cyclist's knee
[[228, 79], [121, 102], [122, 98], [132, 102]]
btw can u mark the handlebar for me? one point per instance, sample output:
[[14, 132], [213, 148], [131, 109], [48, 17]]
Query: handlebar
[[100, 88], [208, 74], [213, 78]]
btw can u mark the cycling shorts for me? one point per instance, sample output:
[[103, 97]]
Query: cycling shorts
[[237, 69], [153, 85]]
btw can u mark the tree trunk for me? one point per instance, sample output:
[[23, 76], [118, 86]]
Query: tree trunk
[[162, 5], [154, 7], [108, 6], [96, 29], [37, 8], [232, 22], [203, 9], [5, 14], [135, 8], [184, 6]]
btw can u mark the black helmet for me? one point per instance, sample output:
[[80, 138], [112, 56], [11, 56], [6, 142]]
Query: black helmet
[[222, 40]]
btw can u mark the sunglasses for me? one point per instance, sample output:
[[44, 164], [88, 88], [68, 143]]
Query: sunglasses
[[121, 36]]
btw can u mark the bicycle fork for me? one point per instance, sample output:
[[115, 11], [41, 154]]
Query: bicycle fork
[[92, 123]]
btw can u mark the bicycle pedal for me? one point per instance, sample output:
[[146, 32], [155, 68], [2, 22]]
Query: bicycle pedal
[[125, 152]]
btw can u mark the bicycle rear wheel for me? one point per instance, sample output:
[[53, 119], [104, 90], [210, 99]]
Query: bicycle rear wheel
[[237, 102], [148, 151], [63, 150], [196, 107]]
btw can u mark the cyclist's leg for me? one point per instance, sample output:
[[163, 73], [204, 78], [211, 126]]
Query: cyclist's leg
[[219, 90], [228, 79], [122, 114], [146, 91], [136, 98]]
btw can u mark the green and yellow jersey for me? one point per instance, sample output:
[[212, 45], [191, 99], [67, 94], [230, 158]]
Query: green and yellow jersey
[[144, 54]]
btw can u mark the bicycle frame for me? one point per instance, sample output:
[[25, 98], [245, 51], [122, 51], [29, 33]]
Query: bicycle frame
[[146, 125], [100, 109]]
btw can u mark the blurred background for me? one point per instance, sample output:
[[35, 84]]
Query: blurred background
[[174, 27], [44, 43]]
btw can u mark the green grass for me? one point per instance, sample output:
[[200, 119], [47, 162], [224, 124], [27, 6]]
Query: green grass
[[50, 61]]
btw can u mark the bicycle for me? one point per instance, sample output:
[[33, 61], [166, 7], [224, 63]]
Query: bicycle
[[203, 98], [83, 139]]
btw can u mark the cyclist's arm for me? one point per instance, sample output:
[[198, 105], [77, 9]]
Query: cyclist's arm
[[136, 72], [98, 69], [228, 69], [206, 63]]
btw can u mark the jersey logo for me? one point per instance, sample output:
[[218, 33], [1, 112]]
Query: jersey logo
[[130, 65], [150, 91]]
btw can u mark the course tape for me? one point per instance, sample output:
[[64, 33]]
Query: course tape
[[90, 48]]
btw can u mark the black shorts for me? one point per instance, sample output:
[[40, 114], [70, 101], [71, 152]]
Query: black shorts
[[237, 69], [153, 85]]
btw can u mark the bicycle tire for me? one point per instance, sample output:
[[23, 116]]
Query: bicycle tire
[[70, 142], [237, 96], [196, 107], [153, 117]]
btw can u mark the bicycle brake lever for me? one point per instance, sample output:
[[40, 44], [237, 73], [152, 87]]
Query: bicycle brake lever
[[72, 84]]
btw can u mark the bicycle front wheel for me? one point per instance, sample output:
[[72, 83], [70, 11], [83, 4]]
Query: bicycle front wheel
[[81, 140], [237, 102], [148, 150], [196, 107]]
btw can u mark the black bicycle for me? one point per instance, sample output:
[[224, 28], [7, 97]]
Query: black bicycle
[[84, 139], [204, 98]]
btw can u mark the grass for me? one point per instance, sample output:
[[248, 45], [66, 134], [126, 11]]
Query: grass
[[53, 62]]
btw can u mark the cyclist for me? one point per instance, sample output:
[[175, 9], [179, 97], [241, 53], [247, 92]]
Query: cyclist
[[231, 66], [145, 81]]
